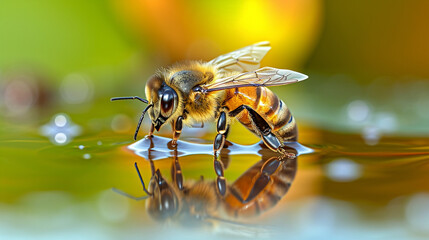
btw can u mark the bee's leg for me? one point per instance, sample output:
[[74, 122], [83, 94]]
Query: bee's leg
[[176, 172], [152, 128], [224, 155], [224, 152], [220, 180], [177, 129], [150, 157], [260, 181], [264, 130], [222, 129], [152, 167]]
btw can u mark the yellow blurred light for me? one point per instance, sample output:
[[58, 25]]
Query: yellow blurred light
[[201, 30]]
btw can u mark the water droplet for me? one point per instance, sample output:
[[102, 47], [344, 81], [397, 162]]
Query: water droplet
[[81, 147], [371, 135], [358, 111], [343, 170], [60, 138], [99, 143], [60, 130], [86, 156], [60, 120]]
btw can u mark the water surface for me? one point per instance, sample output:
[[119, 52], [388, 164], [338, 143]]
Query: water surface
[[341, 187]]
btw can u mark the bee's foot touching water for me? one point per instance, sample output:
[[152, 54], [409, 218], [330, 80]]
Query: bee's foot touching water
[[285, 154]]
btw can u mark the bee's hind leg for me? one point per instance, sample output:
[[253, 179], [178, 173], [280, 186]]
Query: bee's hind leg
[[260, 181], [264, 130], [273, 143], [222, 129]]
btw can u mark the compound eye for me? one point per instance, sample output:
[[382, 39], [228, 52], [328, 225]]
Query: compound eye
[[167, 102]]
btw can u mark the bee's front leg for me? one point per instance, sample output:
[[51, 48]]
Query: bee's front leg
[[152, 128], [222, 129], [177, 129]]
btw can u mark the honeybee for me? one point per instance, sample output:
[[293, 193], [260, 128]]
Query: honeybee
[[231, 85], [196, 202]]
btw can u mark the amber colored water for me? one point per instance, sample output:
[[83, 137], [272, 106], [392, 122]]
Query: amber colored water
[[342, 187]]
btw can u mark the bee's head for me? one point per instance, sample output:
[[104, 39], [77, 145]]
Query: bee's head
[[164, 203], [164, 100]]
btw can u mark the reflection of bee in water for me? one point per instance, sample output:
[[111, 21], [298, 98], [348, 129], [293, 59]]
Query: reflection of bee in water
[[258, 189], [228, 86]]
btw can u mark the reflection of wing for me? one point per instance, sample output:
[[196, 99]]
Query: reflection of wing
[[242, 60], [264, 77]]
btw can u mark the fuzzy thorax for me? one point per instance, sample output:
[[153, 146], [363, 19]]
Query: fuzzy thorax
[[200, 107], [203, 107]]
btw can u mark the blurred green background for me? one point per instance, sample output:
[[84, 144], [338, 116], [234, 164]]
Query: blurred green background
[[360, 56]]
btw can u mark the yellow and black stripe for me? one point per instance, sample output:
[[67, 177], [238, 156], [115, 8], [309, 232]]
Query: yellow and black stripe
[[264, 102], [268, 196]]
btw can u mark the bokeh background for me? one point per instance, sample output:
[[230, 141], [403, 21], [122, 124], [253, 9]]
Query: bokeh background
[[61, 61], [368, 57]]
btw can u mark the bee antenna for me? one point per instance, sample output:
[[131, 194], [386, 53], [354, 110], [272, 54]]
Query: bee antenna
[[141, 120], [141, 180], [129, 195], [129, 98]]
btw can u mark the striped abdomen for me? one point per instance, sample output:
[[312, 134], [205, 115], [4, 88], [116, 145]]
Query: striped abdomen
[[267, 105], [268, 195]]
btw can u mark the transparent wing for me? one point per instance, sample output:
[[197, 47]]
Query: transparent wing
[[266, 76], [242, 60]]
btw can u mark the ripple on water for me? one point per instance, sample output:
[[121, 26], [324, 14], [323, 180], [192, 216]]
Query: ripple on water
[[160, 148]]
